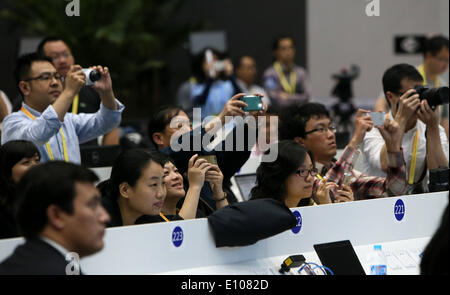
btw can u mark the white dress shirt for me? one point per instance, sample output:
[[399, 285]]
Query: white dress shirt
[[373, 143]]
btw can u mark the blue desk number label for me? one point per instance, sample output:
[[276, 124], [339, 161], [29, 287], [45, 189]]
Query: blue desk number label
[[177, 236], [296, 229], [399, 210]]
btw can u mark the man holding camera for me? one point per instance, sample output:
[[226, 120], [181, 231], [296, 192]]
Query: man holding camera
[[87, 100], [435, 63], [425, 143], [43, 117]]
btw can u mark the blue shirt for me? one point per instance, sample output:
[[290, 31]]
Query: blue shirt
[[45, 128], [219, 93]]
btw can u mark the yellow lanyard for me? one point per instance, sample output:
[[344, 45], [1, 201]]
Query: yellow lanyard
[[49, 150], [163, 217], [288, 87], [412, 169], [75, 104]]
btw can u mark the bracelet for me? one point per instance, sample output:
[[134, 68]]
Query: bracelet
[[223, 198]]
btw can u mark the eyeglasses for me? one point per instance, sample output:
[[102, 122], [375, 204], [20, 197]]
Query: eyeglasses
[[322, 130], [47, 77], [305, 172]]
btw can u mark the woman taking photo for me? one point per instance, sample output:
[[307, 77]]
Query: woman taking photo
[[291, 179], [136, 190], [176, 189]]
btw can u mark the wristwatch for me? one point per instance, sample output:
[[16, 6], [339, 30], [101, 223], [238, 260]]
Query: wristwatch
[[223, 198]]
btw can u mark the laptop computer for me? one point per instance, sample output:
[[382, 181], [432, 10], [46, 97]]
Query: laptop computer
[[99, 156], [245, 183], [340, 257]]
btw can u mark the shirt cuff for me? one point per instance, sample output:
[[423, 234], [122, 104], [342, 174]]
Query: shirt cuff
[[395, 159], [120, 107]]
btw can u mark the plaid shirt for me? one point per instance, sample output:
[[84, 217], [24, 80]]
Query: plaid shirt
[[364, 186]]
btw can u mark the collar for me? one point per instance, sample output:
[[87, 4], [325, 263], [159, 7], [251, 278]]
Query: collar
[[31, 110], [323, 169], [285, 68], [55, 245]]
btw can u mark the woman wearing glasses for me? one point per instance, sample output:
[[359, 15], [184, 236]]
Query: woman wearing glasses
[[291, 178]]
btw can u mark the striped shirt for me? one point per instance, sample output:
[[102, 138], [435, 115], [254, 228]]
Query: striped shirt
[[364, 186]]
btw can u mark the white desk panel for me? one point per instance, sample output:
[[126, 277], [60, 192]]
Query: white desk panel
[[149, 249]]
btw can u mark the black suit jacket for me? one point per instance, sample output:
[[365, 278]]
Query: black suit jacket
[[245, 223], [35, 257]]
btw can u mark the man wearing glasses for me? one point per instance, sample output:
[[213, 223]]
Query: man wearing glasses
[[310, 125], [43, 117], [424, 140], [87, 100]]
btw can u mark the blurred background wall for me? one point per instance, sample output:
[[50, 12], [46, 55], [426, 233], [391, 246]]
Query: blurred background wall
[[329, 35]]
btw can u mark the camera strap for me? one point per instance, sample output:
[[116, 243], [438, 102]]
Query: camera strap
[[289, 87], [49, 150]]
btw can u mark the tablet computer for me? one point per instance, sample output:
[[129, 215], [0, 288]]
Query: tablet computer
[[340, 257]]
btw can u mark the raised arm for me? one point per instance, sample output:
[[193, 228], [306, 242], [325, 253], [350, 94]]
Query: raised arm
[[196, 176]]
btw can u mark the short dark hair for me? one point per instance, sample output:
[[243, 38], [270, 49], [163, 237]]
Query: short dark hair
[[40, 48], [293, 119], [23, 66], [393, 77], [160, 119], [276, 41], [51, 183], [271, 176], [435, 44], [238, 60], [11, 153], [128, 168]]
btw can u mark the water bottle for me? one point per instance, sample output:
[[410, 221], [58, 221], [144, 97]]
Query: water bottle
[[378, 265]]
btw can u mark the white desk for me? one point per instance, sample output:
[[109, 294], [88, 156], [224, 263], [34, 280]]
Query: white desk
[[149, 248]]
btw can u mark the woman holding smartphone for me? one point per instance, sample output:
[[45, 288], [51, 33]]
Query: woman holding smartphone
[[291, 179], [199, 171]]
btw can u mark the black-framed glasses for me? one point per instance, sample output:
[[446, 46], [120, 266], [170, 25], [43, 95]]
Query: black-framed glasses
[[323, 130], [47, 77], [304, 172]]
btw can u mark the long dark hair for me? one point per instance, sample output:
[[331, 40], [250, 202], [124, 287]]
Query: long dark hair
[[271, 176], [10, 154], [128, 168]]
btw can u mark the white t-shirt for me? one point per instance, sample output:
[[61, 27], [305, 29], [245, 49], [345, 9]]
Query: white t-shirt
[[373, 143]]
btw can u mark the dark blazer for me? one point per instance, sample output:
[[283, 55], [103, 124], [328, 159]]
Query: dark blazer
[[245, 223], [35, 257]]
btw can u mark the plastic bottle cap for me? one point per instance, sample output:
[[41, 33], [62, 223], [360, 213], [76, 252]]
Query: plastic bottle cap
[[377, 247]]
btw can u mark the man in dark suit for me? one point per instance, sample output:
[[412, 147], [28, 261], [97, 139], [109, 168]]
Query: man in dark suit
[[59, 213]]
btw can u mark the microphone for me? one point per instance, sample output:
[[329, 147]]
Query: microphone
[[92, 76]]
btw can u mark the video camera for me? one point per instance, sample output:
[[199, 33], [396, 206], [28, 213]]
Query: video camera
[[344, 109]]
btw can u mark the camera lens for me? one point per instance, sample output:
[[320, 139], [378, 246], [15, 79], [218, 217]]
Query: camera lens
[[94, 76], [434, 96]]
